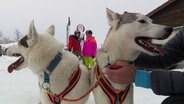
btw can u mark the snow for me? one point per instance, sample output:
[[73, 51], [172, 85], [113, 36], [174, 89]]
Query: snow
[[21, 87]]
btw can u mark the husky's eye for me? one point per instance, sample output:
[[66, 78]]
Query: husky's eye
[[142, 21]]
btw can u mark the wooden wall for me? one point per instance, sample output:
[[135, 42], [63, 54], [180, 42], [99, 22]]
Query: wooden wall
[[172, 15]]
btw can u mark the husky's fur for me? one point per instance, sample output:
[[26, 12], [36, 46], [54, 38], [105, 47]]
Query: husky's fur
[[120, 45], [40, 50]]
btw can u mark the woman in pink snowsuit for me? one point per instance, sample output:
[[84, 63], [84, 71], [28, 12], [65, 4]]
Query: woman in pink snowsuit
[[89, 49]]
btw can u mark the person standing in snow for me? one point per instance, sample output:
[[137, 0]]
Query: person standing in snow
[[89, 49], [74, 44]]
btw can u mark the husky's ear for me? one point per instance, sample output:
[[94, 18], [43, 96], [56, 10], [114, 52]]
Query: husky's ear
[[32, 35], [113, 18], [51, 30]]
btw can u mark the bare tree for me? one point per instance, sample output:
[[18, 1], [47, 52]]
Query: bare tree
[[5, 40], [18, 35]]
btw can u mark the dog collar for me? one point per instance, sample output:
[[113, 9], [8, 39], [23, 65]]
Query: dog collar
[[51, 67], [54, 63]]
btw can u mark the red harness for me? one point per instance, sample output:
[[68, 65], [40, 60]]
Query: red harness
[[56, 99], [115, 96]]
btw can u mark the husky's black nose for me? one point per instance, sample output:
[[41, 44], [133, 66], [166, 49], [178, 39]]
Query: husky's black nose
[[169, 29]]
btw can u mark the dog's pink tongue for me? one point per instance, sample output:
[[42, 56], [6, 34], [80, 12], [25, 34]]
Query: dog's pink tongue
[[14, 65], [10, 68]]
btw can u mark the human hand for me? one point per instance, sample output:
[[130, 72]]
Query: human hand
[[142, 79], [125, 74]]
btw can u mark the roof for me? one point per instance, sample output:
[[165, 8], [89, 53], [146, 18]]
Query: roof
[[161, 7]]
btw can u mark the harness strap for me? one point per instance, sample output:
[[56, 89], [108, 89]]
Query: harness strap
[[115, 96], [56, 99]]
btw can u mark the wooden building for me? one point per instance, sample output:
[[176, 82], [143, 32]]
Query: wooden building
[[170, 13]]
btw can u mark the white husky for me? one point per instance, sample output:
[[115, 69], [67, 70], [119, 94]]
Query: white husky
[[60, 75], [129, 34]]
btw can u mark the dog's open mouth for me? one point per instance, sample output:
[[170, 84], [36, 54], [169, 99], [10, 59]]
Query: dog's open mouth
[[146, 43], [15, 64]]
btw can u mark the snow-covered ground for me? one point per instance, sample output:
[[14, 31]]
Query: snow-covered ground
[[20, 87]]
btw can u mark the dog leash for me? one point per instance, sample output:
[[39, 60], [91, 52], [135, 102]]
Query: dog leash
[[119, 98], [88, 92]]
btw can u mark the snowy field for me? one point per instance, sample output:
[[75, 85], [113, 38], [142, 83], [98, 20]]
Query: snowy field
[[20, 87]]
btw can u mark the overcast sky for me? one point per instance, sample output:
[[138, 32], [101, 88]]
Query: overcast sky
[[17, 14]]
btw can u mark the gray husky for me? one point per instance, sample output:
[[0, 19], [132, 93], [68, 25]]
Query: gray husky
[[129, 34]]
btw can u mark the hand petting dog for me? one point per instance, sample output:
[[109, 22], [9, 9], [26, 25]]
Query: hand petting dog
[[123, 75]]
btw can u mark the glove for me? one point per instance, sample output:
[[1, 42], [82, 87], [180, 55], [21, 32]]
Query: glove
[[142, 79]]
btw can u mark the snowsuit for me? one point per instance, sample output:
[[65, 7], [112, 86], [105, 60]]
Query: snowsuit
[[165, 82], [89, 51], [74, 45]]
